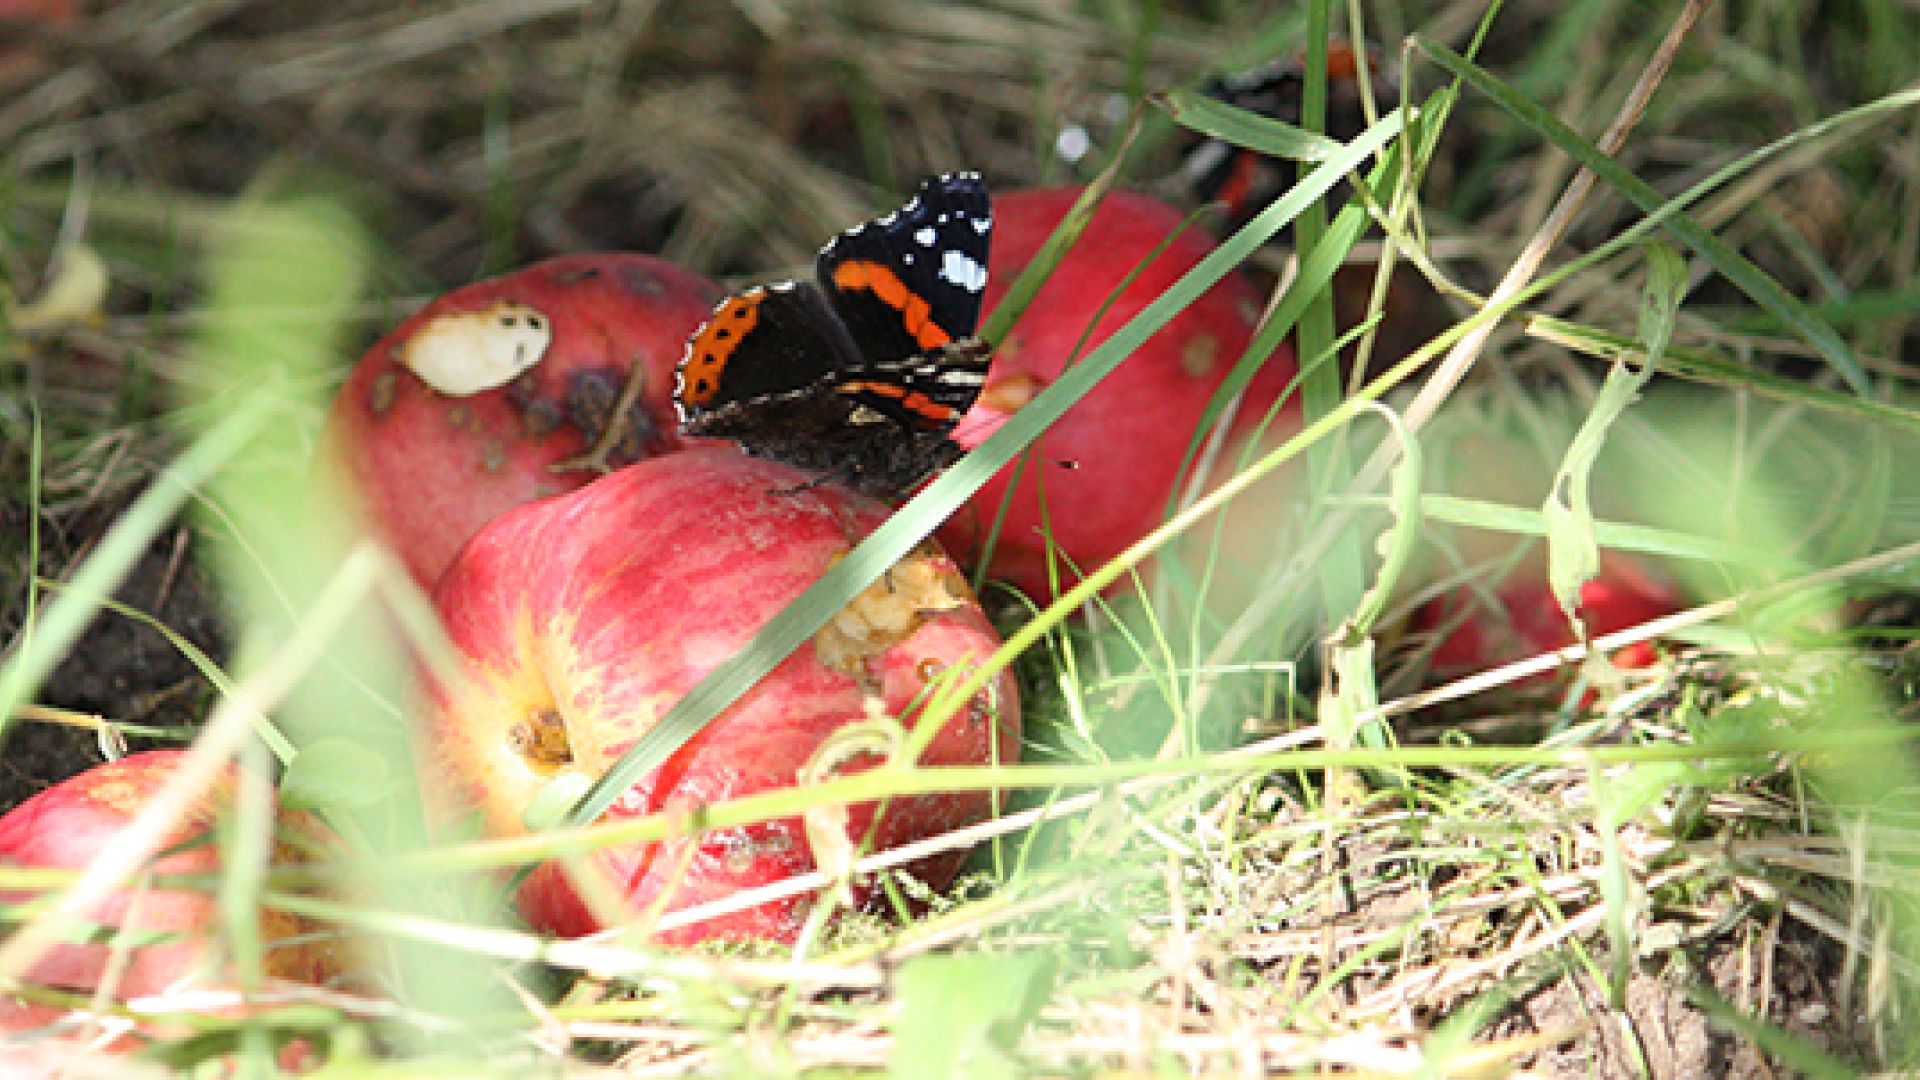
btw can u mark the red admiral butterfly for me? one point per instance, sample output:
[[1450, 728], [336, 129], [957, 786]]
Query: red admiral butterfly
[[1246, 181], [861, 376]]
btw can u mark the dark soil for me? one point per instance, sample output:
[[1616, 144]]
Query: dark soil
[[122, 669], [1664, 1033]]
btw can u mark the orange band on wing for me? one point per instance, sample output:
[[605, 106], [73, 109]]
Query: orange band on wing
[[911, 400], [713, 344], [1234, 193], [882, 282]]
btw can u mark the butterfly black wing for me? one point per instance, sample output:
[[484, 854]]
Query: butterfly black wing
[[769, 340], [911, 282]]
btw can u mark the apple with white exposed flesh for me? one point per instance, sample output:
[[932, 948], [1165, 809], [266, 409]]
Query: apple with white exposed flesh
[[581, 620], [513, 389]]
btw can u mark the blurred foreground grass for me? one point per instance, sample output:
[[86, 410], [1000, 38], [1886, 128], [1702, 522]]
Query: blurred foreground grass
[[1718, 849]]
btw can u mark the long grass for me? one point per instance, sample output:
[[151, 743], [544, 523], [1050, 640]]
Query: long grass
[[1255, 831]]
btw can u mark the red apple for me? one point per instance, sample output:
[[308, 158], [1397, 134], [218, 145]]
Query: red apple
[[67, 824], [45, 1042], [583, 619], [1128, 436], [1529, 621], [493, 395]]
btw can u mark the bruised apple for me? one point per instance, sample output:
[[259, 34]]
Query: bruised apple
[[513, 389], [581, 620], [177, 928], [1124, 440]]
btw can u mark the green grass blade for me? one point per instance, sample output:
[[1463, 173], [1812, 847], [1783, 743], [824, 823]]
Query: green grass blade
[[1711, 367], [1217, 119], [1524, 521], [1732, 265]]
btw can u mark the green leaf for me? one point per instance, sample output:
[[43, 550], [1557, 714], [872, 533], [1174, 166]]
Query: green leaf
[[961, 1016], [1397, 544], [1478, 514], [336, 774]]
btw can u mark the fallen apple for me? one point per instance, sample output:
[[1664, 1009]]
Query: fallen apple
[[513, 389], [42, 1042], [1125, 439], [47, 1042], [66, 825], [582, 619], [1527, 621]]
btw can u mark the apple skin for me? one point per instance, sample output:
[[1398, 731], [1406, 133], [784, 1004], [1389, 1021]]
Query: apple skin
[[67, 824], [582, 619], [53, 1044], [1530, 621], [429, 469], [1126, 438]]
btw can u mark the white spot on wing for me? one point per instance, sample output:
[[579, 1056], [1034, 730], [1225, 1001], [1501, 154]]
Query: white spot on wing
[[1072, 143], [956, 268], [925, 236], [1204, 158]]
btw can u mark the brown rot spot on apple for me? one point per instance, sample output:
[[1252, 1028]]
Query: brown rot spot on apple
[[640, 281], [736, 851], [1012, 393], [615, 421], [539, 417], [493, 454], [984, 706], [591, 396], [1199, 356], [889, 610], [541, 740], [744, 848], [383, 390]]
